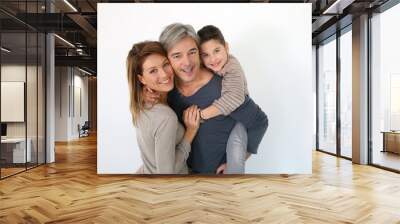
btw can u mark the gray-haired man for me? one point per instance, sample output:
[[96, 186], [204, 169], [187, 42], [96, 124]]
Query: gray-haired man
[[196, 85]]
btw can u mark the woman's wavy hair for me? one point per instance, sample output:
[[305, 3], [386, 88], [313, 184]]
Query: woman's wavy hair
[[134, 63]]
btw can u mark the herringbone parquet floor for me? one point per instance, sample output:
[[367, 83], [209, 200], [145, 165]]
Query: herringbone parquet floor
[[70, 191]]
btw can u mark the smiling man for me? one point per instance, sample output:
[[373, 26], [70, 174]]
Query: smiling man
[[195, 85]]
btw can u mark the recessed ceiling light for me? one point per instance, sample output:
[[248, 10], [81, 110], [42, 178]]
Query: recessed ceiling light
[[64, 40], [70, 5], [5, 50], [337, 7], [84, 71]]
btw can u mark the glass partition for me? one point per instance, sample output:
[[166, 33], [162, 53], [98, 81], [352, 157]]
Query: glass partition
[[22, 77], [14, 153]]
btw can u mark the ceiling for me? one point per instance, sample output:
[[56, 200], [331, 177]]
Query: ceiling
[[76, 22]]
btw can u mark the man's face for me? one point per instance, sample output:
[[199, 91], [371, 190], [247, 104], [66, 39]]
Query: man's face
[[185, 59]]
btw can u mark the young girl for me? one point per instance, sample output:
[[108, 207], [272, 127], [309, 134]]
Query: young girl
[[234, 100]]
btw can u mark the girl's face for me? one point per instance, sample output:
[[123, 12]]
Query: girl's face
[[214, 55], [157, 73]]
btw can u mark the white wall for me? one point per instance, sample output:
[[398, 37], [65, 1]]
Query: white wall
[[274, 50], [68, 81], [61, 103], [80, 84], [12, 101]]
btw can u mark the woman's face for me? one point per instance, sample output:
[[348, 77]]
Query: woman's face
[[157, 73]]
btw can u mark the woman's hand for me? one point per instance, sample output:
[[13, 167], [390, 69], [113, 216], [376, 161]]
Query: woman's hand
[[150, 96], [191, 118]]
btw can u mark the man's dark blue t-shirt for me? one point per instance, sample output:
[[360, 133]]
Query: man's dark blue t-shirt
[[209, 145]]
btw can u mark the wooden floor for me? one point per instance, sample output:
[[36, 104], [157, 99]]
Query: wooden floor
[[70, 191]]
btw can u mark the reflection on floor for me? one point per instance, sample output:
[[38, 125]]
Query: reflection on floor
[[386, 159], [10, 169], [346, 151]]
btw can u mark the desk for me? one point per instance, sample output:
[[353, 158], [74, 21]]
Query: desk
[[16, 147], [391, 141]]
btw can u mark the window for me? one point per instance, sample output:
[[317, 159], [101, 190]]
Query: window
[[346, 94], [385, 89], [327, 97]]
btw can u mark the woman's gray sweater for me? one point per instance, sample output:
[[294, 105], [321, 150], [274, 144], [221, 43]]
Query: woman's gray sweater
[[160, 138]]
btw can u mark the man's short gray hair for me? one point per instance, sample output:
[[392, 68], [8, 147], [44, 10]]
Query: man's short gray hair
[[175, 32]]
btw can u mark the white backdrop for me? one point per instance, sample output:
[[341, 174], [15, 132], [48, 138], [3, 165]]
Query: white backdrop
[[271, 41]]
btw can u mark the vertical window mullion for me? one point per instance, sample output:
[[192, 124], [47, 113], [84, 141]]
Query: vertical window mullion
[[317, 94], [369, 90], [37, 90], [338, 91], [0, 93], [26, 86]]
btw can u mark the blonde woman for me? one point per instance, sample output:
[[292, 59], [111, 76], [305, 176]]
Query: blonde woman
[[163, 141]]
